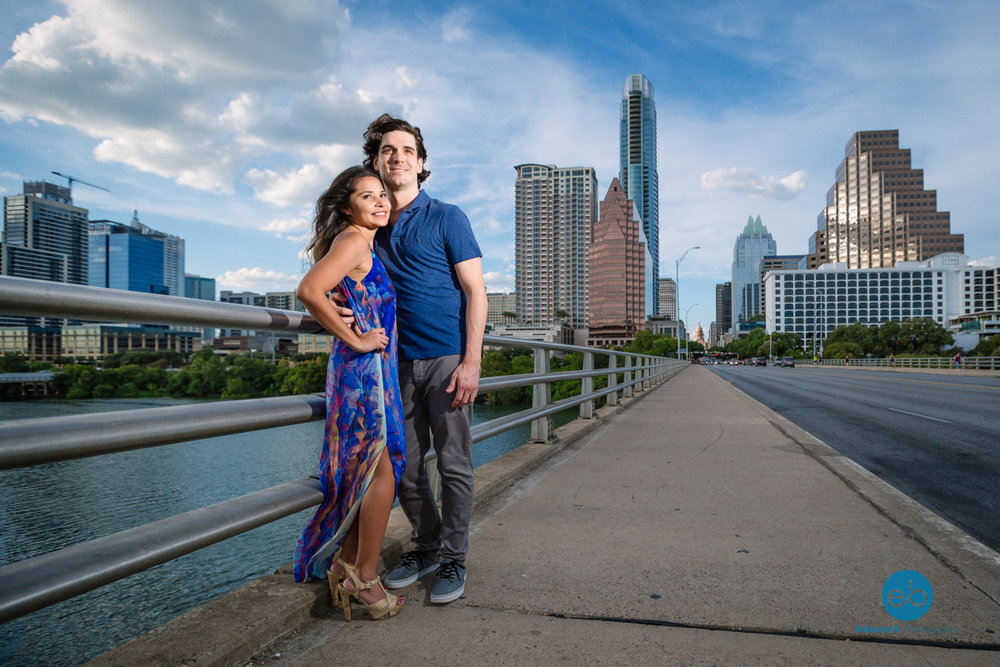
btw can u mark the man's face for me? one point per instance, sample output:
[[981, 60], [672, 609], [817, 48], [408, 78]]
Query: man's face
[[397, 162]]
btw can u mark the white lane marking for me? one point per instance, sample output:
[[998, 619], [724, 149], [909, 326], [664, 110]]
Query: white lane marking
[[917, 414]]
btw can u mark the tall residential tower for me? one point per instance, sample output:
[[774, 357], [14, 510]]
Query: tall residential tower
[[637, 170], [554, 210]]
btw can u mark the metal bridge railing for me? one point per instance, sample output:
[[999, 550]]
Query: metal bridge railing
[[973, 363], [37, 582]]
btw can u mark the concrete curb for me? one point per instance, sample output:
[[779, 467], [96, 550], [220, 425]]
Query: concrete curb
[[235, 626]]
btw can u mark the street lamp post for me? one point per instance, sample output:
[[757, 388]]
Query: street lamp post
[[686, 311], [677, 296]]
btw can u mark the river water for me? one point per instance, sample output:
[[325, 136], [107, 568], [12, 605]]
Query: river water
[[48, 507]]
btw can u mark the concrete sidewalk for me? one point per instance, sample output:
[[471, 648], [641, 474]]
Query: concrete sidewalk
[[698, 527]]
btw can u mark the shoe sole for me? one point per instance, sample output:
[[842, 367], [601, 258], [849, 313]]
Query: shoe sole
[[403, 583], [448, 597]]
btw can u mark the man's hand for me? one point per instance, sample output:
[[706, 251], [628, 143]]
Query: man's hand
[[464, 383], [339, 302]]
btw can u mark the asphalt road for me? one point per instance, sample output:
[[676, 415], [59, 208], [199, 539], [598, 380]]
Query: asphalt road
[[934, 437]]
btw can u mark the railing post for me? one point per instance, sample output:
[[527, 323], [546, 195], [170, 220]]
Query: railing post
[[587, 387], [627, 393], [612, 378], [647, 373], [640, 362], [540, 396]]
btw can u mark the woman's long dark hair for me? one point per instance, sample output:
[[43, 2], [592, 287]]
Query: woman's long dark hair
[[330, 217]]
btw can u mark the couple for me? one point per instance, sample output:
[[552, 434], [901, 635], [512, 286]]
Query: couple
[[391, 249]]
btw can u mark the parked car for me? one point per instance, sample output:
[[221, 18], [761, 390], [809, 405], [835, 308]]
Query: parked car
[[788, 362]]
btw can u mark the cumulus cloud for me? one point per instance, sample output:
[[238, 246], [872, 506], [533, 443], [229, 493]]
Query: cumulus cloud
[[992, 260], [190, 91], [255, 278], [759, 186], [296, 229], [497, 281]]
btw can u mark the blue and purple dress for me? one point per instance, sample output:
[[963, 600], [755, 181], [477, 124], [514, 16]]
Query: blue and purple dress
[[364, 415]]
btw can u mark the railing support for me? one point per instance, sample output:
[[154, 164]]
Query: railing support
[[628, 377], [587, 387], [540, 394], [613, 379]]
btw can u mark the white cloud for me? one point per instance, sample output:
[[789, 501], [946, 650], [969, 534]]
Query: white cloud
[[497, 281], [758, 186], [992, 260], [290, 227], [255, 278]]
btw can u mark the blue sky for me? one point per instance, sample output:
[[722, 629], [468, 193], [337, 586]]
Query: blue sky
[[222, 121]]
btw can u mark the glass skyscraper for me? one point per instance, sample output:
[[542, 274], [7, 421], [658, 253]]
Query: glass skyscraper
[[637, 171], [135, 258], [752, 245]]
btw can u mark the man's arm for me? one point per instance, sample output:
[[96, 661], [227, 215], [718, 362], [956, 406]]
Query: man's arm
[[465, 379]]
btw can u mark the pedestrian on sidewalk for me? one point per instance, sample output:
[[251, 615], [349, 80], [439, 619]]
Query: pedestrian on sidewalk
[[958, 360]]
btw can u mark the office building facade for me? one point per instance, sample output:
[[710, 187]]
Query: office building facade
[[813, 303], [43, 219], [499, 303], [123, 258], [617, 271], [554, 211], [44, 238], [198, 287], [666, 290], [752, 245], [723, 311], [878, 213], [637, 172]]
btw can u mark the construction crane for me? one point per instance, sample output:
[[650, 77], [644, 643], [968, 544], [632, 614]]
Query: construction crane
[[70, 179]]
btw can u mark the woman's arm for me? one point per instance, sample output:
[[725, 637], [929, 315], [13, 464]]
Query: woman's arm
[[348, 252]]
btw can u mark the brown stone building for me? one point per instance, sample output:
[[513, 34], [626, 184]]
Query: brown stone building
[[617, 271], [878, 212]]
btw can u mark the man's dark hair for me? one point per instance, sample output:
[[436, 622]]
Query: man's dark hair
[[386, 123]]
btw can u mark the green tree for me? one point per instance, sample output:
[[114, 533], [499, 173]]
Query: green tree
[[987, 347], [749, 344], [923, 337], [14, 362]]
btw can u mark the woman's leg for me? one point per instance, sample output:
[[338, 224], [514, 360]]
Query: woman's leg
[[373, 516]]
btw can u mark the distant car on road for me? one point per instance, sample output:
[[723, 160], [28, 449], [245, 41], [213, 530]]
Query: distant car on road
[[788, 362]]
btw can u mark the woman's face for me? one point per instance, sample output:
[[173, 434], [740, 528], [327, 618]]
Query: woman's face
[[369, 205]]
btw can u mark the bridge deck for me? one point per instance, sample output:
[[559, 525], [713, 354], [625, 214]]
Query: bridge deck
[[697, 526]]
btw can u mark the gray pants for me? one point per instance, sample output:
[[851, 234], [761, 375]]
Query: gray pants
[[429, 418]]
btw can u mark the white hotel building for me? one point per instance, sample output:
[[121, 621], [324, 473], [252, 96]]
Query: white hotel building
[[944, 288]]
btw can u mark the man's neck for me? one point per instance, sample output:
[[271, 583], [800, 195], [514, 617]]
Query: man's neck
[[401, 200]]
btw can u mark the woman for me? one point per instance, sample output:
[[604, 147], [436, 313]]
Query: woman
[[364, 451]]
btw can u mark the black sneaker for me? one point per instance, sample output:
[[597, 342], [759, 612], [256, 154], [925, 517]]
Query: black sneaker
[[450, 582], [413, 565]]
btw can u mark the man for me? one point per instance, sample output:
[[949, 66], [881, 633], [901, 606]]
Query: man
[[435, 265]]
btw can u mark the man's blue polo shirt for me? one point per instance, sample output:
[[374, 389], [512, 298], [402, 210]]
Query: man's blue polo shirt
[[420, 252]]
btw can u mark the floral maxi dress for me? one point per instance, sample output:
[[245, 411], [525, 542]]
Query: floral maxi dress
[[364, 415]]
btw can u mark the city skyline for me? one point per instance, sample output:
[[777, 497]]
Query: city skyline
[[221, 124]]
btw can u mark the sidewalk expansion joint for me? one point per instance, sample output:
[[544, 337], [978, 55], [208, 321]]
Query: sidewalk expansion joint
[[800, 633]]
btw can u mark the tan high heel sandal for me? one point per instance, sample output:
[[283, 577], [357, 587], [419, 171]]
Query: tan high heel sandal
[[387, 607], [334, 578]]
